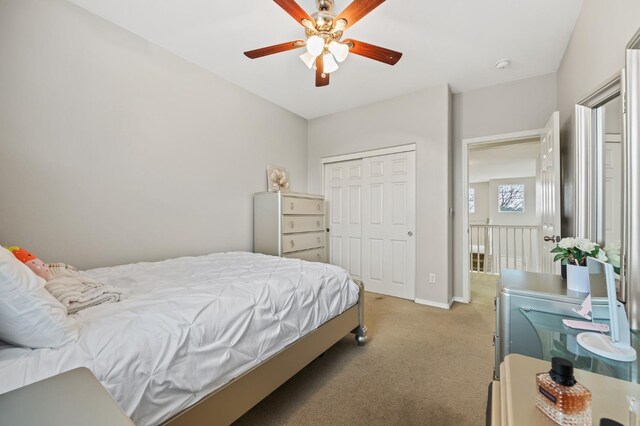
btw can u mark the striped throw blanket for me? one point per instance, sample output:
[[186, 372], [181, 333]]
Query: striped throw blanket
[[77, 292]]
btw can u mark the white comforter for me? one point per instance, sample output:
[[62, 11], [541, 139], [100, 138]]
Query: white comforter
[[188, 326]]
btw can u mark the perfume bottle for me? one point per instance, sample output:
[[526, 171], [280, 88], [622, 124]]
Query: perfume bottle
[[560, 397]]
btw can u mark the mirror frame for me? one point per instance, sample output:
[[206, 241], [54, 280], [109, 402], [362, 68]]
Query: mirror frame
[[589, 201], [588, 193], [631, 194]]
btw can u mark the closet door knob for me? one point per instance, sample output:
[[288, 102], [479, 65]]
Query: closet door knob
[[410, 234]]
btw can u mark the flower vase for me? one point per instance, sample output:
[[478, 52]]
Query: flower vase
[[578, 278]]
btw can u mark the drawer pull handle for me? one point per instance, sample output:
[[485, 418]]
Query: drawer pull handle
[[319, 255], [319, 239], [318, 206], [292, 225], [292, 243], [318, 223], [292, 205]]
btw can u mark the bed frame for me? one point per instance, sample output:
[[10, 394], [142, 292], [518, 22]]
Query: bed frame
[[228, 403]]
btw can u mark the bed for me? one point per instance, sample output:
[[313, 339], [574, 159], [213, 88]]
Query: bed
[[201, 339]]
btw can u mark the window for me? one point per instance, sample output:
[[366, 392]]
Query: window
[[511, 198], [472, 200]]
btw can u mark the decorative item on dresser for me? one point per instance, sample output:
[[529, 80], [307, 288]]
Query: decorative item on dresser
[[289, 225], [277, 178]]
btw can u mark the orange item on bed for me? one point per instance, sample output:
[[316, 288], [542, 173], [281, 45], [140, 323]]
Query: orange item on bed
[[35, 264], [22, 255]]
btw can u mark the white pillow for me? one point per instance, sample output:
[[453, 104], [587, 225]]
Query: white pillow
[[29, 315]]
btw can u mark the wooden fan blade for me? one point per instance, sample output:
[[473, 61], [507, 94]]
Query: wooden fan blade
[[277, 48], [322, 78], [296, 12], [357, 10], [372, 51]]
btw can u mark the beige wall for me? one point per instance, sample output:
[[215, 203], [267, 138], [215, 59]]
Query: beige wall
[[422, 118], [113, 150], [512, 107], [595, 52], [486, 196], [481, 213]]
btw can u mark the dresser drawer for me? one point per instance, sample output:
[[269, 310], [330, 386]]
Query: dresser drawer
[[313, 255], [293, 205], [292, 224], [295, 242]]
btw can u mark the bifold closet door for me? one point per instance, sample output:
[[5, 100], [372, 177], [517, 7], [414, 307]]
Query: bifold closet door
[[388, 224], [343, 193]]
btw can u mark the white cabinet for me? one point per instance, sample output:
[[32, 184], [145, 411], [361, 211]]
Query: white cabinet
[[289, 224]]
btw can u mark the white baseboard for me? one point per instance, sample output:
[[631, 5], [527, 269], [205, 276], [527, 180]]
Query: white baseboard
[[459, 299], [434, 304]]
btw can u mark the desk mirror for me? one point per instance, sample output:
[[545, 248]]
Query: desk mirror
[[600, 204], [600, 214], [631, 198]]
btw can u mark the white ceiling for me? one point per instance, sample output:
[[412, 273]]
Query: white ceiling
[[504, 161], [452, 41]]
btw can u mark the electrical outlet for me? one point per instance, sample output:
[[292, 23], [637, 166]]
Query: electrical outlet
[[432, 278]]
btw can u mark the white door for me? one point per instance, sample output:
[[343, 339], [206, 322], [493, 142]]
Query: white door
[[550, 193], [343, 193], [388, 224]]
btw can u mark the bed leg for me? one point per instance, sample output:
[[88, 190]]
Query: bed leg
[[361, 330]]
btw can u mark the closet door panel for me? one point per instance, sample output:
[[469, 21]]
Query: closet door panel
[[343, 186], [355, 256], [388, 229]]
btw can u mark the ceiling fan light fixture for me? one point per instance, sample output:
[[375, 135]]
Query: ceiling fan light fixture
[[340, 24], [308, 59], [323, 31], [340, 50], [315, 45], [330, 64]]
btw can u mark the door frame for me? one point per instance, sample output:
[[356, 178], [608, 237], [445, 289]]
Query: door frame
[[412, 147], [467, 144]]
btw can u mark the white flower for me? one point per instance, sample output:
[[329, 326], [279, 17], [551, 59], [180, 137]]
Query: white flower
[[602, 255], [567, 243], [585, 245], [613, 254], [613, 247]]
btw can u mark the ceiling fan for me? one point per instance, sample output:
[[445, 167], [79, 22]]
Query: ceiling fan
[[324, 30]]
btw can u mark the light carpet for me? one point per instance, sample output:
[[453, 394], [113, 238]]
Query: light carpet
[[421, 366]]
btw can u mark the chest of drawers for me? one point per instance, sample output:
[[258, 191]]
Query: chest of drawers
[[290, 225]]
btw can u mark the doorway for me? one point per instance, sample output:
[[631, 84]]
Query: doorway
[[513, 219], [371, 205]]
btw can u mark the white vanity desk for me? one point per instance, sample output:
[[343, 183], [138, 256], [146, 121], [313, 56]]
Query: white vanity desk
[[72, 398], [513, 397]]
